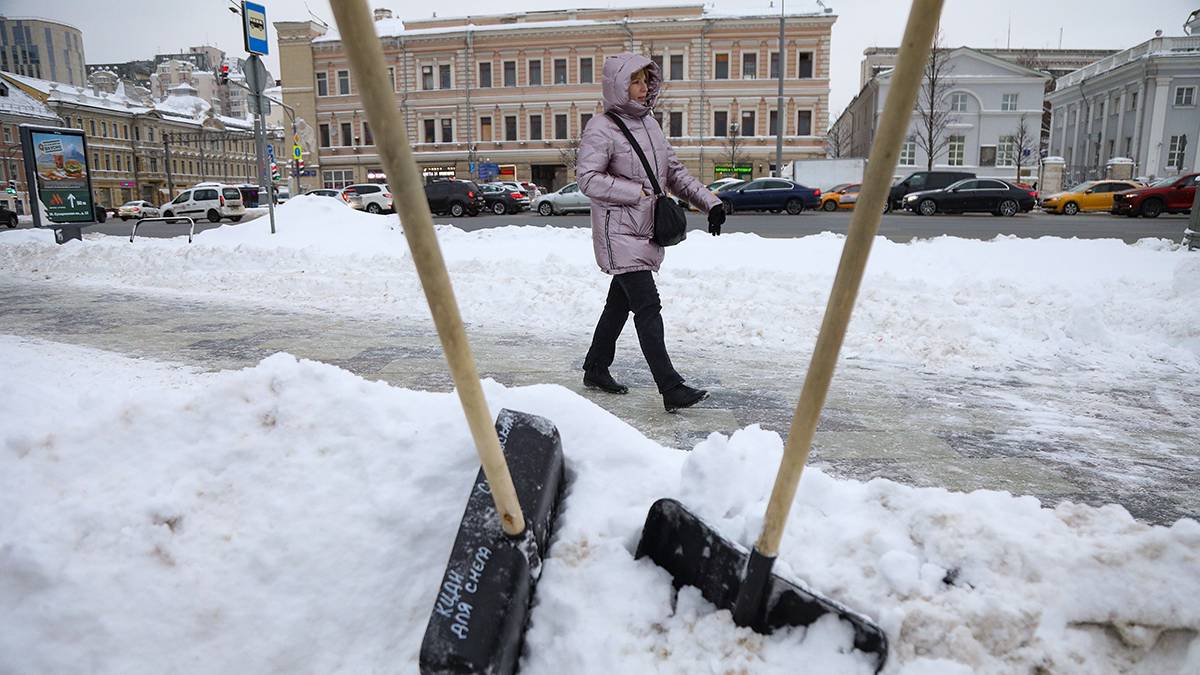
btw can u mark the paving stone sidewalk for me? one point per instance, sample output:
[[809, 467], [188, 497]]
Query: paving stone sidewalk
[[1130, 444]]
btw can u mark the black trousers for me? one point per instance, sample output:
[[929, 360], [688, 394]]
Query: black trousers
[[633, 292]]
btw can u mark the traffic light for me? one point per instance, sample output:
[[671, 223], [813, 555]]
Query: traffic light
[[275, 171], [12, 187], [223, 74]]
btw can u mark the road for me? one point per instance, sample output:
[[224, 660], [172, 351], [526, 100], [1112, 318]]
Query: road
[[900, 227]]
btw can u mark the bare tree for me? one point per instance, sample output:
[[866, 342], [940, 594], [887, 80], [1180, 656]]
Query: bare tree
[[569, 154], [837, 141], [733, 148], [1024, 142], [933, 106]]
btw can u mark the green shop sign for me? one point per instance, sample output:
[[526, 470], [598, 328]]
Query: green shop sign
[[739, 170], [56, 164]]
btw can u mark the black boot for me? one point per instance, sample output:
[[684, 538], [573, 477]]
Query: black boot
[[598, 378], [682, 396]]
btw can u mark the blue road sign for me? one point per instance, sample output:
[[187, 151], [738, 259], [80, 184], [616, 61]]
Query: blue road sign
[[488, 170], [254, 27], [270, 151]]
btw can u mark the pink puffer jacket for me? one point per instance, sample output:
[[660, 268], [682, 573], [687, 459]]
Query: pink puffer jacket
[[612, 176]]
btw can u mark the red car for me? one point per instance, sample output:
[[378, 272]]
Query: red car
[[1169, 195]]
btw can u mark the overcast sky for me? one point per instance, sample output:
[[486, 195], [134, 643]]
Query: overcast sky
[[123, 30]]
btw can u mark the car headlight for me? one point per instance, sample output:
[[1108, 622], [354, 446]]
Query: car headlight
[[910, 198]]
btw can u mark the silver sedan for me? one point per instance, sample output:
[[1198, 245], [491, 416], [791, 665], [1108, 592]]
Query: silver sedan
[[138, 209]]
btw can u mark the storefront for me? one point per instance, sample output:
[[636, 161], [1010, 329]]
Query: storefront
[[432, 173], [376, 175]]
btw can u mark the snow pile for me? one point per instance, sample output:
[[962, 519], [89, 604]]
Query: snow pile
[[294, 517]]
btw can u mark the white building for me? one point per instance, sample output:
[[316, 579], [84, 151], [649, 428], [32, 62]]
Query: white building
[[1142, 104], [985, 96]]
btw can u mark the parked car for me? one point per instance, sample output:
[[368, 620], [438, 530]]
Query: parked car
[[987, 195], [501, 200], [770, 194], [369, 197], [455, 197], [1169, 195], [1092, 195], [566, 199], [138, 209], [215, 202], [323, 192], [9, 218], [922, 180], [840, 197]]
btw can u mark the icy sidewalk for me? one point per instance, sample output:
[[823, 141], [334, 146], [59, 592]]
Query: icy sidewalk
[[1085, 437]]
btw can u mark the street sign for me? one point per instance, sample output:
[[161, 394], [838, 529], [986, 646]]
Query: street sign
[[488, 170], [254, 27], [297, 153], [271, 151], [57, 171], [256, 75]]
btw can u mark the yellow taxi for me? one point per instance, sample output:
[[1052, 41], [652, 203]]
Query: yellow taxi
[[1092, 195], [840, 197]]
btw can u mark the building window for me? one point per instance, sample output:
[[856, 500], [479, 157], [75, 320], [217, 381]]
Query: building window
[[447, 130], [585, 70], [908, 152], [658, 117], [1175, 152], [535, 128], [804, 65], [804, 123], [534, 72], [444, 76], [392, 77], [958, 102], [956, 150], [1008, 103], [1006, 151], [749, 66], [430, 131], [1185, 96], [368, 139], [987, 155], [92, 124], [560, 71], [748, 127], [560, 127], [1133, 101], [773, 123], [658, 61], [1129, 146], [584, 118], [426, 78], [125, 131], [137, 134], [721, 71], [677, 66], [510, 73], [720, 123], [322, 84], [510, 127], [337, 178], [149, 132], [773, 66], [104, 129], [154, 165], [485, 75], [7, 134], [108, 162], [675, 124], [343, 82], [485, 128]]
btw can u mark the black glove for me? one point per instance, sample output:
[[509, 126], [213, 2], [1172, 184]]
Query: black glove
[[716, 218]]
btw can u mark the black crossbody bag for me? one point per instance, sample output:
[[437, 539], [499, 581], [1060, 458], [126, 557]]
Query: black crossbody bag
[[670, 221]]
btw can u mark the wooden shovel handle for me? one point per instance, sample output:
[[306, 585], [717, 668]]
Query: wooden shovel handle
[[357, 28], [893, 126]]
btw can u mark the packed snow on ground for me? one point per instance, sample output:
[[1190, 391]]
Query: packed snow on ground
[[944, 305], [294, 517]]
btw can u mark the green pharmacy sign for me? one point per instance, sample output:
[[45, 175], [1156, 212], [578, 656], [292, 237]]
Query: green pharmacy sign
[[739, 170], [56, 165]]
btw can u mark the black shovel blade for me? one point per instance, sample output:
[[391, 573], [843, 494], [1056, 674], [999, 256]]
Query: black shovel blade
[[696, 555], [482, 606]]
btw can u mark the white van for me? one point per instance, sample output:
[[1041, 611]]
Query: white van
[[214, 202]]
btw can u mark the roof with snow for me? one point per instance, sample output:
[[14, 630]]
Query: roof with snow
[[16, 102]]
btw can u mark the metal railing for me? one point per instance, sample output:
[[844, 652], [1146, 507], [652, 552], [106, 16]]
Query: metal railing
[[1151, 46], [171, 219]]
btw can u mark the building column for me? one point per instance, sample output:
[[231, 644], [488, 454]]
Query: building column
[[1104, 108], [1120, 151], [1075, 135], [1158, 119]]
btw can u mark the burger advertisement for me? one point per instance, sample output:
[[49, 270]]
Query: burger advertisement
[[60, 173]]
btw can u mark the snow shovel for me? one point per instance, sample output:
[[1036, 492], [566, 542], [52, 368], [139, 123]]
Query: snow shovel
[[482, 604], [693, 552]]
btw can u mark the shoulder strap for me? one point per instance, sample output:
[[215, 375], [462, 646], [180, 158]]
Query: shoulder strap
[[638, 149]]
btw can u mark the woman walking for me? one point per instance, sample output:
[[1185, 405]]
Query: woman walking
[[613, 177]]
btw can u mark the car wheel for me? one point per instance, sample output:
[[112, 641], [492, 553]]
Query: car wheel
[[125, 218], [794, 206], [829, 205], [1151, 208], [235, 218], [546, 209], [1009, 208], [457, 210], [1070, 208], [12, 222], [168, 214], [887, 205], [499, 208], [214, 216], [927, 207], [373, 208]]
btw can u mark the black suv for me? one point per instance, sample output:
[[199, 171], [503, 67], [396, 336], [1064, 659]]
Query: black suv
[[922, 180], [7, 217], [455, 197]]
